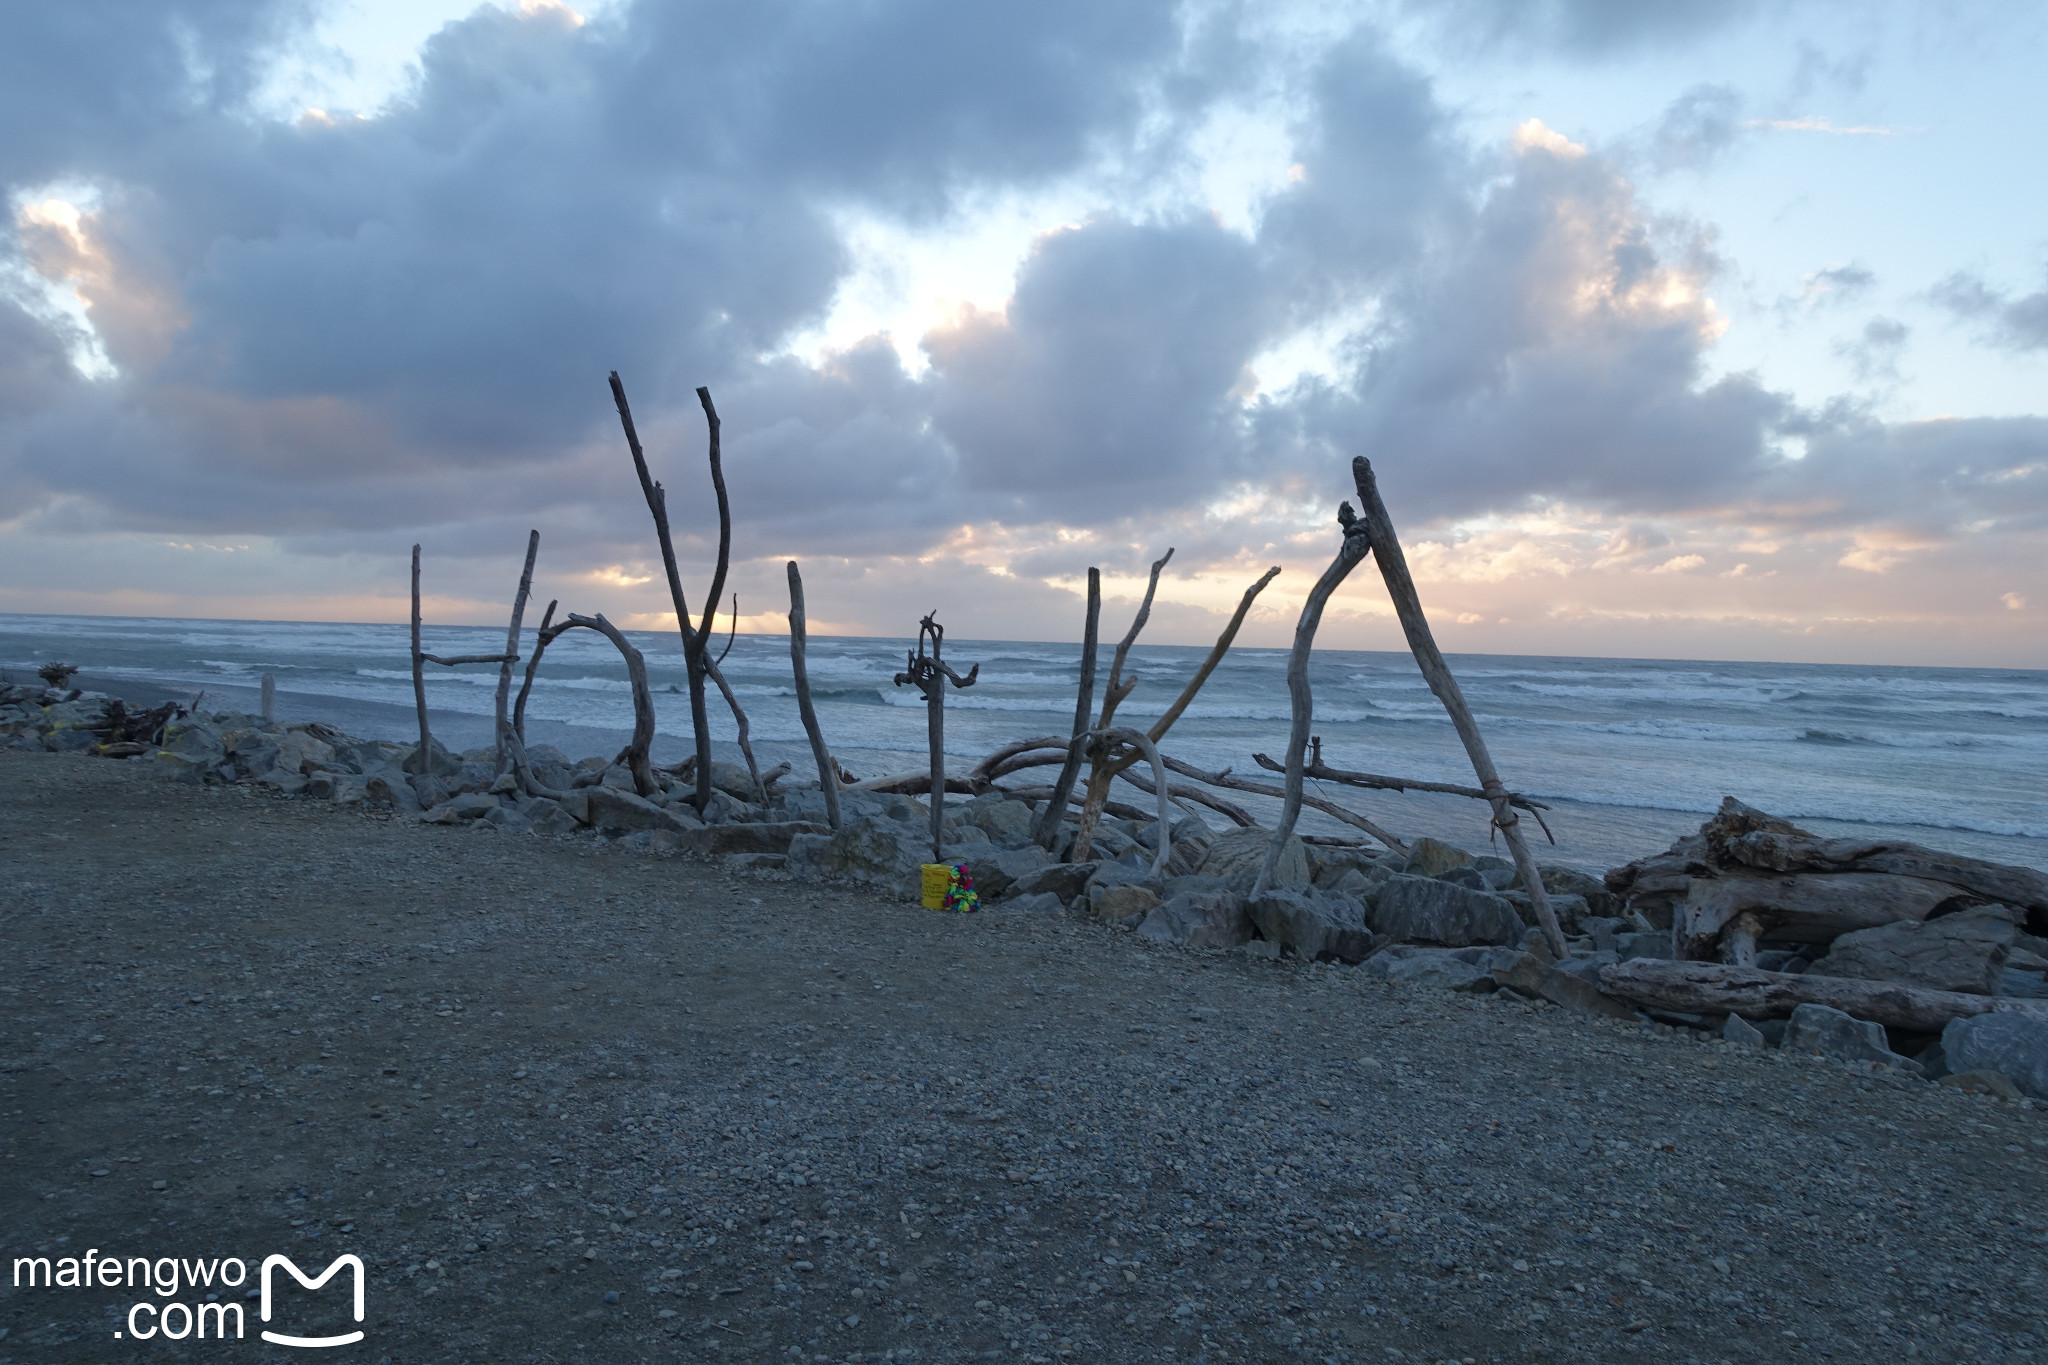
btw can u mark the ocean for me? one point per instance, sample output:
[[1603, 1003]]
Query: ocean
[[1629, 753]]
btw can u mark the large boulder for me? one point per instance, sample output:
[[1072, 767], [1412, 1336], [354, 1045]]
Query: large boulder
[[1242, 852], [192, 751], [1411, 909], [718, 841], [882, 852], [996, 869], [1115, 903], [612, 811], [2012, 1044], [1831, 1033], [1429, 857], [1006, 822], [1317, 925], [299, 752], [1065, 880], [1451, 969], [1965, 952], [1199, 919]]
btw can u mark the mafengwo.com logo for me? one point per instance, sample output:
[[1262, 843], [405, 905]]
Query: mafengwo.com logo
[[169, 1317]]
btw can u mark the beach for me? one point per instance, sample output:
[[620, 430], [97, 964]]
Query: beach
[[568, 1102]]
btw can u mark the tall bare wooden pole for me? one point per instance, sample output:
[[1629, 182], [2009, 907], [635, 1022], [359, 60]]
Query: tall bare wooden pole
[[828, 771], [1386, 547], [504, 727], [1047, 831], [419, 674]]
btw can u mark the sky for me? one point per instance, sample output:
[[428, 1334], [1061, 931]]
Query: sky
[[1708, 329]]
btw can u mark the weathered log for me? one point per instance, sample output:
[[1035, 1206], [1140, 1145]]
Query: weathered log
[[1230, 782], [1046, 833], [542, 638], [1126, 735], [739, 718], [1185, 794], [635, 752], [1437, 673], [1801, 907], [502, 712], [1322, 772], [1710, 988], [454, 660], [1301, 702], [1120, 809], [1039, 751], [828, 771], [424, 756]]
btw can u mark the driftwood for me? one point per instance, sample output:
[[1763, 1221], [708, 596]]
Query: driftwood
[[717, 675], [634, 755], [1408, 608], [1125, 735], [1114, 690], [1322, 772], [1115, 764], [423, 757], [1798, 908], [697, 661], [1121, 810], [828, 771], [929, 674], [1710, 988], [1181, 792], [1047, 831], [450, 661], [541, 640], [504, 721], [1230, 782], [1301, 702]]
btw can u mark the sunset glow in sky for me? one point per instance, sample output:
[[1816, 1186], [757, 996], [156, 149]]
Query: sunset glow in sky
[[1702, 329]]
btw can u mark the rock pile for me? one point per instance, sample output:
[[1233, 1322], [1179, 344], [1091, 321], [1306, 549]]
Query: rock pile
[[1907, 931]]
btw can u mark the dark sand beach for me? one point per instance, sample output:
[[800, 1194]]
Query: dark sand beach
[[573, 1104]]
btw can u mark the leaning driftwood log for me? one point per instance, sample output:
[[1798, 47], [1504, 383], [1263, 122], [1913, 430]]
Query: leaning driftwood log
[[1710, 988], [504, 720], [1230, 782], [697, 661], [1047, 831], [542, 638], [828, 771], [1301, 702], [1125, 735], [1322, 772], [1437, 673], [739, 717], [421, 765], [930, 674]]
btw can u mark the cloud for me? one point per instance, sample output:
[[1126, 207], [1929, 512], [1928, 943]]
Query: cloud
[[1813, 123], [2009, 323], [1583, 27], [1874, 354], [1697, 129]]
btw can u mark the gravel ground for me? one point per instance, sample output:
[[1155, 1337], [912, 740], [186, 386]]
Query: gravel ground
[[571, 1103]]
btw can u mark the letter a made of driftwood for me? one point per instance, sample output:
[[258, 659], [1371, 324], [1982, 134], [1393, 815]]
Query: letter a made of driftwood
[[1386, 546], [930, 674]]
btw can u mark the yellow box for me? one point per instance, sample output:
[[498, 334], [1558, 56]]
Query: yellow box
[[938, 878]]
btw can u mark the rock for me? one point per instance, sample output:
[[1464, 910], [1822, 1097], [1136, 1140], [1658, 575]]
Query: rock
[[343, 788], [444, 763], [621, 812], [803, 803], [1569, 881], [507, 819], [464, 807], [1737, 1029], [1580, 996], [1065, 880], [1317, 925], [291, 784], [1500, 874], [1965, 951], [1982, 1083], [733, 779], [720, 841], [389, 785], [2006, 1042], [1451, 969], [191, 752], [881, 852], [1350, 881], [617, 776], [1044, 903], [1467, 876], [1628, 947], [298, 751], [757, 862], [576, 802], [1242, 852], [555, 821], [1412, 909], [1260, 948], [1199, 919], [1005, 822], [1116, 903], [1831, 1033], [1429, 857], [1523, 975], [996, 870]]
